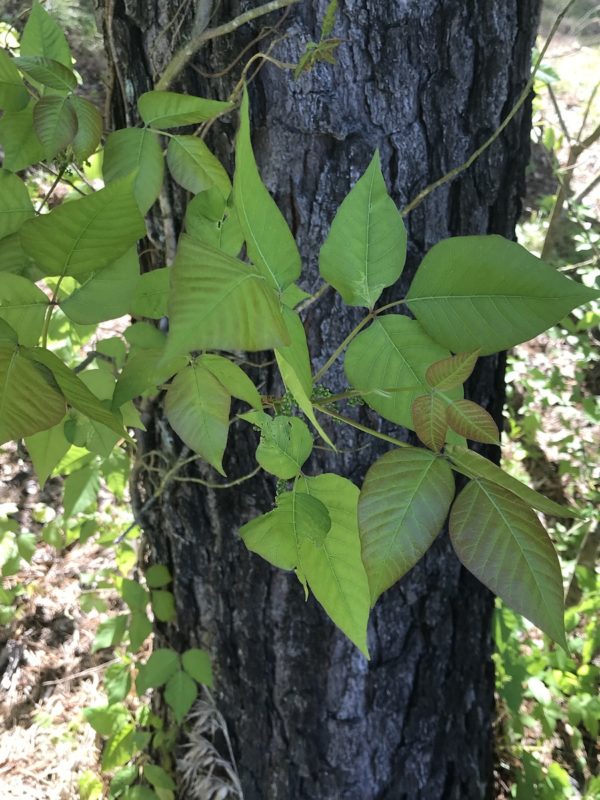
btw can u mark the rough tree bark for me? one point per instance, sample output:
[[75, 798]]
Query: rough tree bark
[[426, 81]]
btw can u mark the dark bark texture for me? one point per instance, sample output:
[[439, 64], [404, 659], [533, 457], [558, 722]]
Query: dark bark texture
[[426, 81]]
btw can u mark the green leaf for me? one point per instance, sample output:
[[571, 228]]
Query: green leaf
[[308, 516], [285, 444], [233, 378], [472, 421], [140, 628], [89, 127], [293, 361], [13, 94], [403, 504], [23, 306], [55, 124], [158, 576], [110, 633], [218, 302], [210, 219], [15, 205], [502, 542], [388, 362], [429, 420], [162, 664], [106, 720], [197, 407], [486, 292], [42, 36], [334, 569], [197, 665], [151, 294], [135, 150], [134, 595], [48, 72], [29, 401], [141, 373], [163, 605], [293, 295], [365, 250], [12, 256], [140, 793], [107, 294], [46, 450], [84, 235], [269, 241], [451, 372], [180, 694], [80, 490], [158, 777], [119, 749], [21, 146], [117, 682], [75, 391], [473, 465], [271, 536], [172, 110], [194, 167], [123, 778]]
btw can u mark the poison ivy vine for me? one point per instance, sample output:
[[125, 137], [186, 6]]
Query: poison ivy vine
[[76, 263]]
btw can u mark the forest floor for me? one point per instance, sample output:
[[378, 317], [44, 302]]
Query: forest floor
[[48, 671]]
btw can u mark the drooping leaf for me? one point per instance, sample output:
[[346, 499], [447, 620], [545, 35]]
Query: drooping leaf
[[23, 306], [29, 401], [180, 694], [270, 243], [210, 219], [429, 420], [21, 146], [197, 407], [43, 36], [55, 123], [48, 72], [472, 421], [473, 465], [106, 294], [218, 302], [135, 150], [87, 234], [151, 294], [486, 292], [403, 504], [334, 569], [13, 94], [15, 205], [197, 665], [74, 390], [89, 127], [233, 378], [46, 449], [502, 542], [388, 362], [366, 246], [285, 444], [451, 372], [194, 167], [172, 110], [162, 664], [293, 361], [80, 490], [143, 372]]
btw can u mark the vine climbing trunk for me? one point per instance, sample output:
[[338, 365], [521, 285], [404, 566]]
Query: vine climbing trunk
[[425, 81]]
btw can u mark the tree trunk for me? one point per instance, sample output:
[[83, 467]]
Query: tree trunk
[[426, 81]]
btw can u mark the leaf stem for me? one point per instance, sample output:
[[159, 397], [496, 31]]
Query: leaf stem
[[363, 428], [49, 312], [339, 350], [185, 54]]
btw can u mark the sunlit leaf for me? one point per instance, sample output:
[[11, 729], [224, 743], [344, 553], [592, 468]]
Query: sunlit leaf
[[48, 72], [180, 694], [151, 294], [135, 150], [403, 504], [172, 110], [46, 449], [486, 292], [451, 372], [194, 167], [23, 306], [233, 378], [21, 146], [13, 94], [472, 421], [43, 36]]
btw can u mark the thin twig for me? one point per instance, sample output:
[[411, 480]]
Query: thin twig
[[50, 191], [184, 55], [449, 176]]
